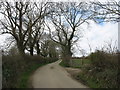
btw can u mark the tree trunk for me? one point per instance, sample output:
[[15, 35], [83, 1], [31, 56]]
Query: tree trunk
[[21, 50], [20, 47], [38, 49], [31, 50], [67, 55]]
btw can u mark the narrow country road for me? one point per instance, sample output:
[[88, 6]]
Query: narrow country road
[[53, 76]]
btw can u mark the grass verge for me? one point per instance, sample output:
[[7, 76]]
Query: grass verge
[[26, 75], [81, 77], [105, 79], [89, 81], [95, 78], [62, 64]]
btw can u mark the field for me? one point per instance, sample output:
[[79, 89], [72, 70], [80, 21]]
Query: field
[[79, 63]]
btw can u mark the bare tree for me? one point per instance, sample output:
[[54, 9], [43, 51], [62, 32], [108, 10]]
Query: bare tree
[[106, 11], [89, 46], [67, 19], [48, 47], [111, 46], [13, 21], [17, 22], [42, 10]]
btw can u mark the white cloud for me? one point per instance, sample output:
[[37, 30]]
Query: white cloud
[[3, 40], [97, 36]]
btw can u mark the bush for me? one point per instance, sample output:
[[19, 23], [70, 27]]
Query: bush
[[15, 65], [103, 70], [102, 60]]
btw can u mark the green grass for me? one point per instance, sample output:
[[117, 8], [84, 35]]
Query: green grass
[[77, 63], [63, 64], [89, 81], [25, 76], [98, 81], [23, 83], [95, 79]]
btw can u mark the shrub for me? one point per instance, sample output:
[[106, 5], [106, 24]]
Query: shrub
[[14, 65], [102, 60], [103, 70]]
